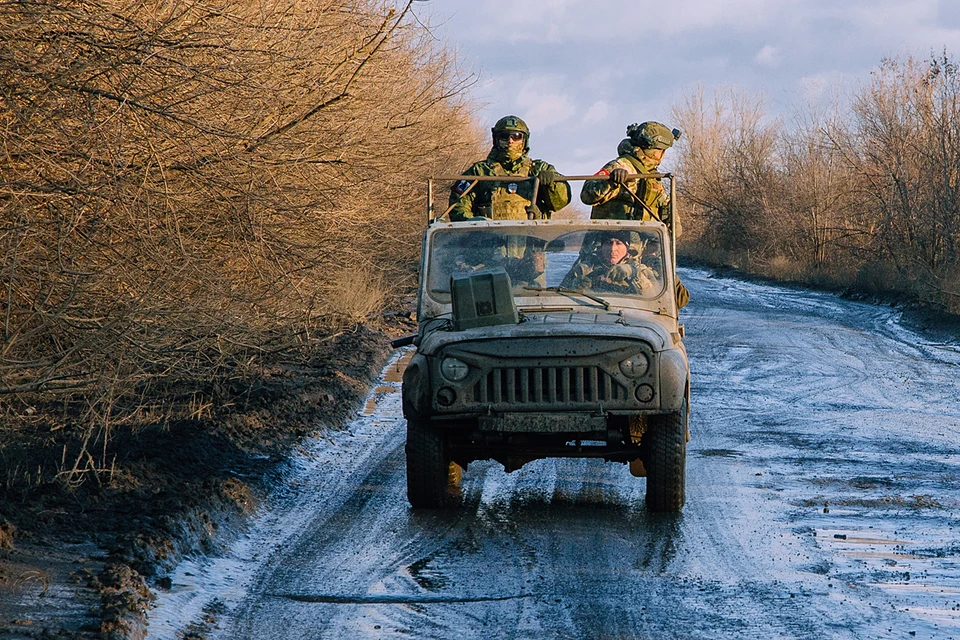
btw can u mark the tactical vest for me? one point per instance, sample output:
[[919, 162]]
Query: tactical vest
[[625, 206], [506, 200]]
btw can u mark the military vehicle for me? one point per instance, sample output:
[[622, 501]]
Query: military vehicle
[[518, 358]]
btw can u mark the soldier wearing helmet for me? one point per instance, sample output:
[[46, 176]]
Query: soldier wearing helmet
[[640, 152], [509, 200]]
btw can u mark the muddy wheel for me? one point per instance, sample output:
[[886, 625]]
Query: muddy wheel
[[433, 480], [667, 463]]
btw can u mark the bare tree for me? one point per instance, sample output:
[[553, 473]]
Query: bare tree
[[868, 197], [188, 187], [816, 186], [907, 154], [727, 158]]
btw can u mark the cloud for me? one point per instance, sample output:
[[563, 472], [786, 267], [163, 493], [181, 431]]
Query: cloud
[[596, 112], [541, 100], [768, 56], [579, 71], [817, 86], [545, 109]]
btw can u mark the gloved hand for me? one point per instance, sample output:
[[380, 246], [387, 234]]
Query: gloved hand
[[547, 176], [662, 198], [618, 176], [619, 273]]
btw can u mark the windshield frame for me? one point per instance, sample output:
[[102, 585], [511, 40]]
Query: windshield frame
[[435, 302]]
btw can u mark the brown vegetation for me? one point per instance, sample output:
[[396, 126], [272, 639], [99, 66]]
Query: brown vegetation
[[190, 191], [863, 197]]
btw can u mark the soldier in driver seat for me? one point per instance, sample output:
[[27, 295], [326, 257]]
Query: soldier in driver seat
[[610, 263]]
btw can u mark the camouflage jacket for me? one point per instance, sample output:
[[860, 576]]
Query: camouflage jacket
[[629, 276], [620, 203], [506, 200]]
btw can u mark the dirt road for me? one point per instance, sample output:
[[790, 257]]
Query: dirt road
[[823, 480]]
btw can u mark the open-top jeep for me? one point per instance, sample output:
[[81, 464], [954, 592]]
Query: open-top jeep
[[530, 346]]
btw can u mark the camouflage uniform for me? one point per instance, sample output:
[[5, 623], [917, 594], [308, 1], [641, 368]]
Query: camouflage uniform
[[507, 200], [620, 202], [628, 276], [651, 254]]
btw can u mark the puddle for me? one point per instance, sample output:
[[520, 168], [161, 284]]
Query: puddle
[[841, 536], [398, 599], [924, 589], [881, 555], [718, 453], [395, 372], [371, 406]]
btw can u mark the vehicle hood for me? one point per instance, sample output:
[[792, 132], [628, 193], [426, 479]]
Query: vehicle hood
[[437, 334]]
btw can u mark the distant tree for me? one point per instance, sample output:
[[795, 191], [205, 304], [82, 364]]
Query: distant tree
[[907, 152], [728, 168]]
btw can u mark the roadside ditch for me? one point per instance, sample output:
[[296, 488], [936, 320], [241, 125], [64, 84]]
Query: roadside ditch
[[85, 565]]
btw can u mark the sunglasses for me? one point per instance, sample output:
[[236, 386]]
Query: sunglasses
[[513, 136]]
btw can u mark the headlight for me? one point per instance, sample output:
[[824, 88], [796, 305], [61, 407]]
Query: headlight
[[635, 366], [453, 369]]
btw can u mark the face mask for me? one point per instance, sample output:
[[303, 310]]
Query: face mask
[[651, 155], [511, 149], [514, 151]]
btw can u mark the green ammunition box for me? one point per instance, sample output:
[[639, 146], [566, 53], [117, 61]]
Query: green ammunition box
[[482, 299]]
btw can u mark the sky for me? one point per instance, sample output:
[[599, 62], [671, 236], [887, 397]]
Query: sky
[[579, 71]]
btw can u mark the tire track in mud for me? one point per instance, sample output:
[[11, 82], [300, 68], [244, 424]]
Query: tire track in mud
[[804, 431], [817, 440]]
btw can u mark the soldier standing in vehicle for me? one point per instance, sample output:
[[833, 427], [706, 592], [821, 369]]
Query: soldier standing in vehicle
[[646, 199], [509, 200], [615, 198]]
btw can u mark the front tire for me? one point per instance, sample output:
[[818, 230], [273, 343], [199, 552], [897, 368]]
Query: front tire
[[666, 471], [433, 480]]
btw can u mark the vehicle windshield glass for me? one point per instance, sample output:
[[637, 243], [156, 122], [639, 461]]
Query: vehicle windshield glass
[[605, 262]]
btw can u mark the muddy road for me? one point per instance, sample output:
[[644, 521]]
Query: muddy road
[[823, 480]]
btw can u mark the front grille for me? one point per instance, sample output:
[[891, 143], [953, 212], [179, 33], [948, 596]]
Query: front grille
[[547, 385]]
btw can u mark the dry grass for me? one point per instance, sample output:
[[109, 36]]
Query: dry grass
[[783, 268]]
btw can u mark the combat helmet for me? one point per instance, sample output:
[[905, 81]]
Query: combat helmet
[[511, 123], [652, 135]]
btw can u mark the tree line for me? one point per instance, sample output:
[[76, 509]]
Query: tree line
[[861, 193], [189, 189]]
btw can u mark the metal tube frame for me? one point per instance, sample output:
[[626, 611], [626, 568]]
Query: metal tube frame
[[474, 180], [477, 179]]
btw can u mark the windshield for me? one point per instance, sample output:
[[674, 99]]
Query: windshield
[[608, 262]]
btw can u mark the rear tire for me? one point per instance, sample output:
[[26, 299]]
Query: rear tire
[[666, 470], [433, 480]]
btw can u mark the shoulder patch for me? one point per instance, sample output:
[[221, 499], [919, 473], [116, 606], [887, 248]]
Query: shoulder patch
[[602, 172], [460, 187]]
